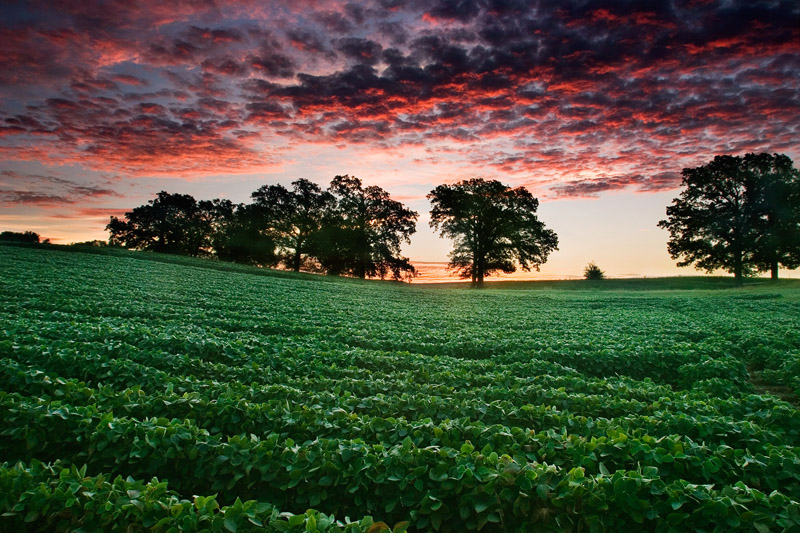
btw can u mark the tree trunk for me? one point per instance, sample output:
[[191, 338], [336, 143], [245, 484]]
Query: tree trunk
[[737, 269], [479, 274], [474, 267], [773, 269], [296, 259]]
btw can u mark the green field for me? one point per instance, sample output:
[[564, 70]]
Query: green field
[[306, 403]]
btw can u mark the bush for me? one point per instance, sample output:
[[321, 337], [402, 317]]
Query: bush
[[592, 271]]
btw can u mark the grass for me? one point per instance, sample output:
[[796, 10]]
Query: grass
[[671, 283]]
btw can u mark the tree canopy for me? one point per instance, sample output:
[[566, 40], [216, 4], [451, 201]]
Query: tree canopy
[[296, 216], [363, 230], [738, 214], [348, 229], [240, 233], [493, 227], [171, 223], [18, 236]]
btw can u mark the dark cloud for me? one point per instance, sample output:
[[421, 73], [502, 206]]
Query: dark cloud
[[590, 188], [356, 12], [46, 190], [359, 50], [308, 41], [212, 36], [462, 10], [334, 22], [620, 90], [129, 80], [272, 63], [395, 32]]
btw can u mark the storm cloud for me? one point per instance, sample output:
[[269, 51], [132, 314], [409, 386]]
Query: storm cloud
[[586, 97]]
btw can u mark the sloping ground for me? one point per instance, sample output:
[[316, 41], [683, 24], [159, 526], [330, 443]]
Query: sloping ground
[[427, 408]]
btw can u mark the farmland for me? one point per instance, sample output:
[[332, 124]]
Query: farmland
[[143, 392]]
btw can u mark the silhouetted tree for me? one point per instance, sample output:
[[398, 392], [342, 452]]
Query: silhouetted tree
[[776, 211], [362, 231], [593, 272], [738, 214], [171, 223], [295, 216], [493, 227], [17, 236], [241, 234]]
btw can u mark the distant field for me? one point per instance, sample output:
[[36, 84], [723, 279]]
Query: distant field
[[285, 402]]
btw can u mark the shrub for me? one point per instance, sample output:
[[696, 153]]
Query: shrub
[[592, 271]]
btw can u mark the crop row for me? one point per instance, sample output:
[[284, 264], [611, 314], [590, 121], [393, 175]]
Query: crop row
[[58, 497], [677, 362], [694, 414], [433, 486], [53, 428], [223, 409]]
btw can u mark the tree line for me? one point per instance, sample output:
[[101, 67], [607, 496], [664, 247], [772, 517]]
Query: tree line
[[28, 237], [347, 229], [740, 214]]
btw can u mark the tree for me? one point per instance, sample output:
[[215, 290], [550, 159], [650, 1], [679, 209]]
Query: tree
[[18, 236], [593, 272], [296, 215], [738, 214], [362, 231], [776, 211], [239, 233], [493, 227], [171, 223]]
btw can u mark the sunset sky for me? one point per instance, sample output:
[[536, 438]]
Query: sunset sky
[[594, 106]]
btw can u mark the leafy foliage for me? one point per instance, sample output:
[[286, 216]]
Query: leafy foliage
[[361, 235], [295, 216], [171, 223], [494, 227], [282, 404], [240, 233], [738, 214], [593, 272], [348, 229], [20, 236]]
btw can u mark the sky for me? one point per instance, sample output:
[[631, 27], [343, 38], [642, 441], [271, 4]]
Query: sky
[[595, 107]]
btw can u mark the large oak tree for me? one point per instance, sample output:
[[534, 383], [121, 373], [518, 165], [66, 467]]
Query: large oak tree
[[170, 223], [493, 227], [363, 231], [240, 233], [738, 214], [295, 215], [776, 213]]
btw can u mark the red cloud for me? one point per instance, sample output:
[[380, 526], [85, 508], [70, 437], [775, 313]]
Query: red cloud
[[557, 94]]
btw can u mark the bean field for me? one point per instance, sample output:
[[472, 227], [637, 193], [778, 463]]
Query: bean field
[[146, 393]]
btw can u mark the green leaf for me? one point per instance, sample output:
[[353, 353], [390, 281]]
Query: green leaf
[[543, 491], [401, 527], [296, 520], [311, 524]]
